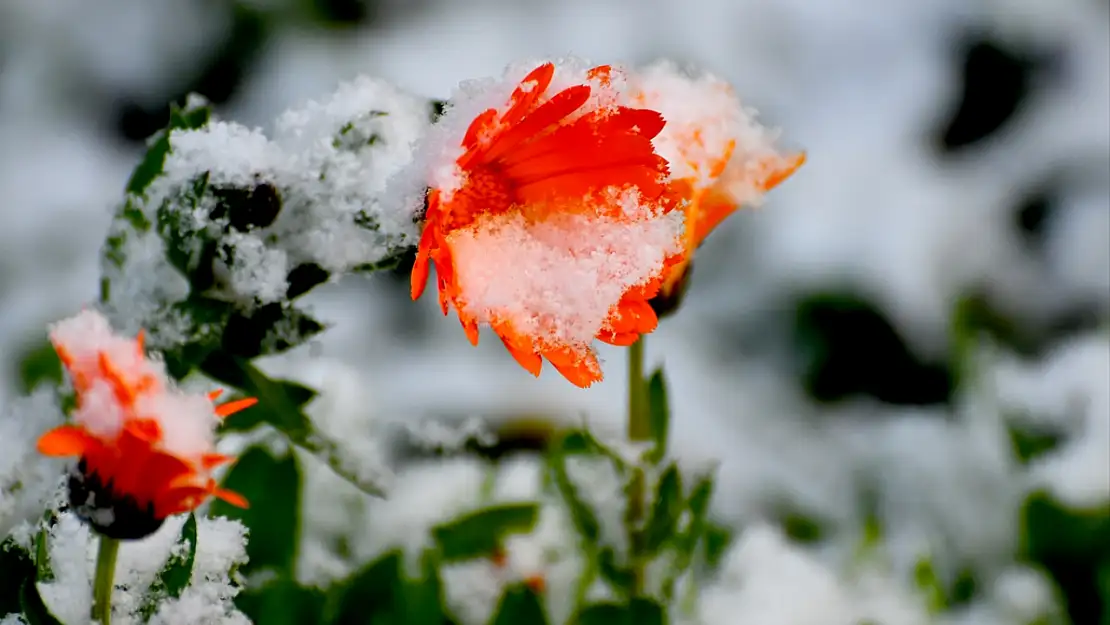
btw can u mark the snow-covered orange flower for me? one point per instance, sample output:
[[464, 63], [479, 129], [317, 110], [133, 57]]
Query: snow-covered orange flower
[[145, 449], [720, 158], [549, 215]]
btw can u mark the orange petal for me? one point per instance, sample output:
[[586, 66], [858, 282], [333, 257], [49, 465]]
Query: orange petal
[[420, 268], [633, 315], [536, 583], [230, 497], [231, 407], [524, 99], [548, 114], [64, 355], [581, 369], [65, 441], [782, 173], [211, 461], [140, 341], [470, 327], [146, 430], [214, 395], [526, 358]]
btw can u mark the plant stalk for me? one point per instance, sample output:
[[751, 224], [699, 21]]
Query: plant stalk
[[107, 552], [639, 426], [639, 429]]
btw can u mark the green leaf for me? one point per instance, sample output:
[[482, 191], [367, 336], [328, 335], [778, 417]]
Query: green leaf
[[423, 597], [43, 571], [282, 601], [604, 614], [479, 534], [176, 572], [519, 605], [686, 543], [584, 519], [39, 365], [151, 166], [717, 541], [638, 611], [32, 606], [16, 566], [646, 612], [583, 442], [926, 580], [659, 414], [620, 577], [270, 329], [189, 248], [371, 595], [801, 526], [1029, 444], [202, 322], [272, 485], [1072, 545], [279, 403], [668, 507]]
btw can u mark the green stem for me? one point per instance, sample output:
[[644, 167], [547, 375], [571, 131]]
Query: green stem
[[639, 427], [105, 576]]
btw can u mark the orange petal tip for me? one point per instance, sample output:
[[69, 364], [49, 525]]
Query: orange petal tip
[[64, 441]]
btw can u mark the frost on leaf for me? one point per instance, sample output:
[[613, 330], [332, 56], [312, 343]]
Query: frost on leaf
[[27, 480], [204, 597], [223, 226]]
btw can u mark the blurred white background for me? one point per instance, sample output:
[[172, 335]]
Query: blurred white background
[[955, 148]]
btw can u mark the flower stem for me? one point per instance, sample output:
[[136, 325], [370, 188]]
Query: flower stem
[[639, 428], [106, 554]]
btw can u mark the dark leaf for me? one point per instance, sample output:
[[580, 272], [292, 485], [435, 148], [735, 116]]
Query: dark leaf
[[176, 572], [519, 605], [151, 166], [620, 577], [32, 606], [272, 486], [480, 534], [638, 611], [372, 595], [16, 567], [279, 402], [667, 509], [282, 602], [269, 329], [39, 365], [659, 413], [1073, 546]]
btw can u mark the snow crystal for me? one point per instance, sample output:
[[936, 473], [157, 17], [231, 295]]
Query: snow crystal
[[547, 280], [232, 154], [72, 553], [221, 545], [27, 479], [324, 176], [1068, 394], [705, 121], [256, 271]]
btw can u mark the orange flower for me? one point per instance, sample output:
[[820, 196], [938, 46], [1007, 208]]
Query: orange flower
[[145, 449], [550, 221], [720, 158]]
